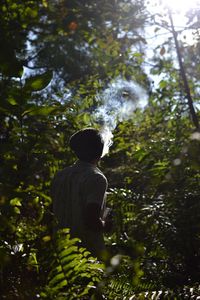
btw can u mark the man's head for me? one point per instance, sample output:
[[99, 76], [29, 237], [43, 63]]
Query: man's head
[[87, 144]]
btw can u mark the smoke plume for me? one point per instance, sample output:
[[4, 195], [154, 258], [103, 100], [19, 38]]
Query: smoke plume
[[119, 101]]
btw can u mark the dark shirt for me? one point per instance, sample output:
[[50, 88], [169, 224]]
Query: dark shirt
[[73, 189]]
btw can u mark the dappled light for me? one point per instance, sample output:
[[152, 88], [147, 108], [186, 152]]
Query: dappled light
[[131, 70]]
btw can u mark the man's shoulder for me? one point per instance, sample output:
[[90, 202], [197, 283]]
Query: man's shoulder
[[60, 177], [96, 176], [66, 170], [99, 173], [63, 173]]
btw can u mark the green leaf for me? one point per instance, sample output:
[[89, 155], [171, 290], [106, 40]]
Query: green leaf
[[15, 202], [58, 279], [43, 110], [163, 84], [137, 54], [11, 100], [38, 82], [30, 12], [16, 210]]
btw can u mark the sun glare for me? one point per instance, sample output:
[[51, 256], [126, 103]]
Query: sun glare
[[181, 5], [177, 9]]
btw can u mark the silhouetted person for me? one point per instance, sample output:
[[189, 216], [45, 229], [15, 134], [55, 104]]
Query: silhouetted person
[[78, 192]]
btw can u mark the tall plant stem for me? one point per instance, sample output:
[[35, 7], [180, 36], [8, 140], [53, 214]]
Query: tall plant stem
[[183, 75]]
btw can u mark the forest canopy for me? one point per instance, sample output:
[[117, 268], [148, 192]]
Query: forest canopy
[[126, 67]]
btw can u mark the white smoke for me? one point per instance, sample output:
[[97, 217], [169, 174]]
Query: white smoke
[[107, 138], [119, 101]]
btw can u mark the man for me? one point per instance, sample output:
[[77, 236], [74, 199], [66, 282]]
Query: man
[[78, 192]]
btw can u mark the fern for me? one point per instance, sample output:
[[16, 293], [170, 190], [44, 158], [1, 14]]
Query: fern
[[74, 272], [120, 289]]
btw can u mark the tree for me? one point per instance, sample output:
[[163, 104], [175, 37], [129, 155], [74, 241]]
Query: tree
[[85, 38], [155, 155], [71, 52], [35, 126]]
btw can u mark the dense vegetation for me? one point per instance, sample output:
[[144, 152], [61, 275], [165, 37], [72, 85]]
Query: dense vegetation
[[57, 60]]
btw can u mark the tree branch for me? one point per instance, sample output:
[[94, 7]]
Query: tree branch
[[184, 77]]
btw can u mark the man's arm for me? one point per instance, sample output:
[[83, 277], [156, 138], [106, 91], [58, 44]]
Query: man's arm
[[92, 217], [95, 190], [93, 220]]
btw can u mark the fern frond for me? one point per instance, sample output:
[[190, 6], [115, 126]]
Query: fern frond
[[74, 272]]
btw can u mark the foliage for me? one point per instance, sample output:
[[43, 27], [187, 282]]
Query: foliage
[[81, 39], [74, 273], [164, 182], [55, 57]]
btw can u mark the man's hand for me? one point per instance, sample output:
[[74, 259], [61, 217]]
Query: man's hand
[[107, 220]]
